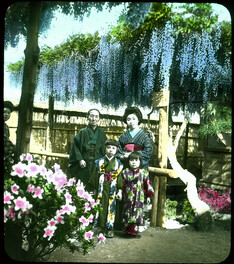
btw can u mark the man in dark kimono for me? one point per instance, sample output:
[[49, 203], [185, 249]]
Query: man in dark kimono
[[87, 146]]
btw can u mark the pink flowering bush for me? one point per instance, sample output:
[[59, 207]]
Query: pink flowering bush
[[51, 210], [218, 202]]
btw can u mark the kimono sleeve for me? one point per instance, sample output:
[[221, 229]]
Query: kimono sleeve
[[120, 182], [148, 188], [120, 152], [75, 153], [147, 149], [94, 178]]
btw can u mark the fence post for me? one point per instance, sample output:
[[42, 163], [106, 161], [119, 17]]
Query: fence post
[[155, 202], [161, 100]]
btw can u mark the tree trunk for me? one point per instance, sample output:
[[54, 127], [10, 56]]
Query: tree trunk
[[29, 80], [188, 178]]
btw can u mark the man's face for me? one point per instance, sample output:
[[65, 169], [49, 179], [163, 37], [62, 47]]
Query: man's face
[[93, 117]]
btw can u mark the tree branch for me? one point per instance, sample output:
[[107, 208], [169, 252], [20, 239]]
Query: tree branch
[[188, 178]]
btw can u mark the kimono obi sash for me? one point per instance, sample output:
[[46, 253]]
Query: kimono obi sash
[[132, 147]]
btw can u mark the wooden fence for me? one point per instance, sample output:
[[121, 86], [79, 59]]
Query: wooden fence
[[52, 140]]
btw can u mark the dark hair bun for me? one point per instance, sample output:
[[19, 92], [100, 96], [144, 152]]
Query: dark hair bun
[[132, 110]]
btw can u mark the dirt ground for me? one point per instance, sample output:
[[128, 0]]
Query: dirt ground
[[182, 244]]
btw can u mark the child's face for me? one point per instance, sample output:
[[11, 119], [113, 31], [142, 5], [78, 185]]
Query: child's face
[[7, 114], [111, 150], [134, 163]]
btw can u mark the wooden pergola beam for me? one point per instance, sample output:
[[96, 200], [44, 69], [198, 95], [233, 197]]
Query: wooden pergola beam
[[164, 172]]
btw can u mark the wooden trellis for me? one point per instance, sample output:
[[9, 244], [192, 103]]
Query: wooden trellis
[[161, 100]]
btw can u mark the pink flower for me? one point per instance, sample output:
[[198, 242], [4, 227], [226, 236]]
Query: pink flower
[[67, 209], [101, 238], [87, 207], [59, 181], [59, 219], [68, 198], [7, 198], [92, 203], [30, 188], [86, 195], [80, 193], [10, 212], [14, 188], [38, 192], [22, 203], [49, 231], [84, 221], [56, 167], [51, 222], [79, 185], [18, 169], [71, 182], [88, 235], [33, 170], [90, 218], [27, 157], [43, 170]]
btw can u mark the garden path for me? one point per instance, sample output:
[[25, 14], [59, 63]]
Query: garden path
[[157, 245]]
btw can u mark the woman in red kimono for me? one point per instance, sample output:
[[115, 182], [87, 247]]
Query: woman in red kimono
[[134, 138]]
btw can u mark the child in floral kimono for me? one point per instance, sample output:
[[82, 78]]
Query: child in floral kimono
[[137, 187], [107, 180]]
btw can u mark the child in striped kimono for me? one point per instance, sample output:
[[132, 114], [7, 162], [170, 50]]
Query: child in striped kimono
[[107, 180]]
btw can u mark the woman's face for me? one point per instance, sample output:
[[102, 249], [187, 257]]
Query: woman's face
[[132, 121], [134, 163]]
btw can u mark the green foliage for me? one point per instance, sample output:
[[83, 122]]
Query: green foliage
[[226, 37], [183, 208], [136, 13], [171, 209], [15, 67], [188, 212], [15, 23], [195, 18], [159, 14], [79, 44], [216, 119]]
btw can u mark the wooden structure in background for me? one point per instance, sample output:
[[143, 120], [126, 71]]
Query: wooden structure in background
[[161, 100]]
